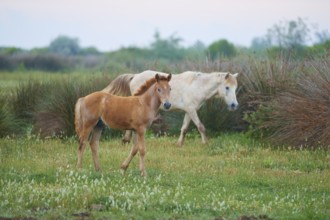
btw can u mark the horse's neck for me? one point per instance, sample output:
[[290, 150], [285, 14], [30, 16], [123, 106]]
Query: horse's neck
[[209, 85]]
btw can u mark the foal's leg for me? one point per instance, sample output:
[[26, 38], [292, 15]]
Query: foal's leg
[[184, 129], [83, 136], [127, 137], [94, 143], [194, 117], [133, 152], [142, 151]]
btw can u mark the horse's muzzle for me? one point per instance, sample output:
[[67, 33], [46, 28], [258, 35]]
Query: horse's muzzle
[[232, 107], [167, 105]]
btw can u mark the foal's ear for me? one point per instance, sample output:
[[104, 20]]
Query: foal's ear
[[235, 75], [157, 77], [169, 77], [227, 76]]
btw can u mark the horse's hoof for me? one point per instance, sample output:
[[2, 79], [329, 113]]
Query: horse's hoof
[[124, 141]]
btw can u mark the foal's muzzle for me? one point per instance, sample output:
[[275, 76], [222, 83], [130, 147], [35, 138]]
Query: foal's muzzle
[[167, 105]]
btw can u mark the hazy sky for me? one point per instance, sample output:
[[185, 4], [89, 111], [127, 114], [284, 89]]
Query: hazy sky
[[111, 24]]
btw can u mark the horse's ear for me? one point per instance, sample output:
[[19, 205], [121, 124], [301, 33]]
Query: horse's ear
[[235, 75], [227, 76], [169, 77], [157, 77]]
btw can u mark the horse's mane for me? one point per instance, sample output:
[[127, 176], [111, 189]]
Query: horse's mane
[[148, 84]]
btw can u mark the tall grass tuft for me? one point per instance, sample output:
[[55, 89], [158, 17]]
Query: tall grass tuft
[[293, 107], [27, 97], [301, 115], [9, 124], [55, 115]]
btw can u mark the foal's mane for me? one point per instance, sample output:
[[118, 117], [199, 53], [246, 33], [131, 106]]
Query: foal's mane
[[148, 84]]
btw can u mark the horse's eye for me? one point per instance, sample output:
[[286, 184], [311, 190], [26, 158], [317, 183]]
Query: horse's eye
[[159, 90], [227, 88]]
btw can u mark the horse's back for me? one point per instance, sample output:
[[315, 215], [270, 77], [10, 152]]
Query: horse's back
[[140, 78]]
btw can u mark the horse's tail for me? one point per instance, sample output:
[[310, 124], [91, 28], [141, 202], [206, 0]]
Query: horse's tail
[[78, 121], [120, 85]]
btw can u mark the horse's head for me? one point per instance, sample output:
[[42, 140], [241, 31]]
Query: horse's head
[[163, 90], [227, 90]]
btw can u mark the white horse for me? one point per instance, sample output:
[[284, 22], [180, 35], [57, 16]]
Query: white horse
[[189, 91]]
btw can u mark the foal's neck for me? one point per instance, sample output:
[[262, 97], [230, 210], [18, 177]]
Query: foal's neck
[[150, 99]]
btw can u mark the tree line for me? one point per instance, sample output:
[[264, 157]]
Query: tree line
[[64, 53]]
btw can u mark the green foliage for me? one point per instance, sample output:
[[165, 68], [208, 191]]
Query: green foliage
[[10, 50], [221, 48], [89, 51], [257, 119], [65, 45], [168, 49], [321, 50]]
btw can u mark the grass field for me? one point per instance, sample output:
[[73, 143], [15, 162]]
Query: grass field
[[231, 178]]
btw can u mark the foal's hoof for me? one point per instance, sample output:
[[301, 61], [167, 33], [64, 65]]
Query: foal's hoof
[[122, 171], [143, 173], [123, 167]]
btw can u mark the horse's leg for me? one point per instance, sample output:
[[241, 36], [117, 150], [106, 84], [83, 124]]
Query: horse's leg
[[184, 129], [127, 137], [142, 151], [194, 117], [133, 152], [94, 143], [83, 136]]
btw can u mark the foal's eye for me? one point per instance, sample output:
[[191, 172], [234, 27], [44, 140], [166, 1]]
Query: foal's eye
[[159, 90], [227, 88]]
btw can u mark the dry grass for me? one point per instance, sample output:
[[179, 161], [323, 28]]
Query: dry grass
[[301, 115]]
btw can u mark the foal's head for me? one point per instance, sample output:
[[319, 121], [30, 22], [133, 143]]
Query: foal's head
[[163, 90], [227, 90]]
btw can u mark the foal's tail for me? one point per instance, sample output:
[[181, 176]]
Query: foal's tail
[[78, 121], [120, 85]]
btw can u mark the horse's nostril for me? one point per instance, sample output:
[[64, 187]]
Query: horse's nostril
[[233, 105]]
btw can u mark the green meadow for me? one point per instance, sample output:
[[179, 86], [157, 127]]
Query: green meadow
[[273, 164], [233, 177]]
